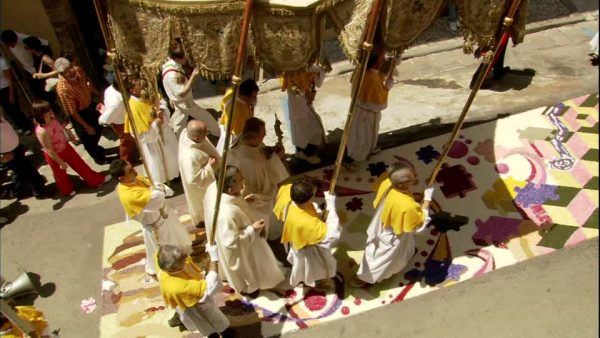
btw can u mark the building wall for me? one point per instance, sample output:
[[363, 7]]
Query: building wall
[[28, 17]]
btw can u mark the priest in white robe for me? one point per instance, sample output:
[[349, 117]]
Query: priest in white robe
[[198, 161], [246, 260], [262, 169], [391, 233], [308, 238]]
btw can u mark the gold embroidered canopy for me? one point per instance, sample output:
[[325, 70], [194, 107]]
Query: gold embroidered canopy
[[286, 34]]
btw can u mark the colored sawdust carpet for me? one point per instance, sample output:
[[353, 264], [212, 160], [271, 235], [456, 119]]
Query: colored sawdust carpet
[[511, 189]]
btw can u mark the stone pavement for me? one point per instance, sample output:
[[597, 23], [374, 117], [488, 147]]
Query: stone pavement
[[62, 239]]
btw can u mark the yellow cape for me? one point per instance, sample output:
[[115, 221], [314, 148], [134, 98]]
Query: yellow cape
[[300, 78], [134, 197], [228, 95], [282, 200], [30, 314], [303, 227], [184, 288], [373, 89], [242, 113], [141, 112], [400, 210]]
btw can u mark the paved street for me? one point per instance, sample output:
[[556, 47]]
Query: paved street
[[62, 239]]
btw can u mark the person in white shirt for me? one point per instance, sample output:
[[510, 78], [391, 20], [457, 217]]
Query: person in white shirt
[[8, 99], [26, 179], [178, 88], [112, 112], [14, 42]]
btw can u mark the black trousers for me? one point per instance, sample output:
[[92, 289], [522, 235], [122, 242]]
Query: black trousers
[[497, 67], [25, 175], [310, 150], [90, 142], [13, 112]]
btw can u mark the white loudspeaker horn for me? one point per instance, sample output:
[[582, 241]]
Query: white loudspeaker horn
[[20, 286]]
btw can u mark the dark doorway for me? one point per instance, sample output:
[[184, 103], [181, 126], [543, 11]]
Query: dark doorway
[[90, 38]]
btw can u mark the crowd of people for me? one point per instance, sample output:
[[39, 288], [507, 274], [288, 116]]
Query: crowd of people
[[256, 208]]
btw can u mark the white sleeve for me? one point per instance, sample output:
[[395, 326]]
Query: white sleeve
[[172, 87], [157, 201], [319, 78], [334, 230], [3, 64], [213, 284], [389, 83], [112, 105]]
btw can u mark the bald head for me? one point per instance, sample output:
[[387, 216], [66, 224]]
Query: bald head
[[196, 130], [401, 174]]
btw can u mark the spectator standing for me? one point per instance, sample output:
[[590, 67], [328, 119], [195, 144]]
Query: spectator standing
[[26, 179], [59, 154], [74, 89], [8, 99]]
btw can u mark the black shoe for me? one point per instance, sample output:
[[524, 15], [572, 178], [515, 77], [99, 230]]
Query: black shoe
[[251, 295], [502, 73], [40, 195], [102, 161], [175, 321], [228, 333], [23, 195]]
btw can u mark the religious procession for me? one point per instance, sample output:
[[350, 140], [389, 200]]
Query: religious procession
[[259, 239]]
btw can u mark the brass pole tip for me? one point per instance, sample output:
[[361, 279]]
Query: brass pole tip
[[508, 21], [367, 46], [236, 80]]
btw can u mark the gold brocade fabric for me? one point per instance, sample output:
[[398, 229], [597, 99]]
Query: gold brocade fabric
[[209, 32], [284, 37], [353, 31], [403, 21], [285, 43], [481, 20]]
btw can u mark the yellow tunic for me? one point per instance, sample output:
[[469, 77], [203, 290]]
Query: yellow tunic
[[228, 95], [400, 210], [373, 88], [303, 227], [282, 200], [134, 197], [141, 112], [302, 79], [184, 288], [242, 113], [30, 314]]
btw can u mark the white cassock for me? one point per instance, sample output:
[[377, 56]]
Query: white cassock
[[261, 178], [168, 146], [386, 253], [196, 173], [316, 262], [159, 153], [245, 258], [205, 317], [169, 230], [364, 131], [305, 124], [173, 78]]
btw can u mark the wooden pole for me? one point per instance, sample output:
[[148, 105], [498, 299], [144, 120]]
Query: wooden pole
[[487, 63], [367, 46], [236, 79], [106, 34]]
